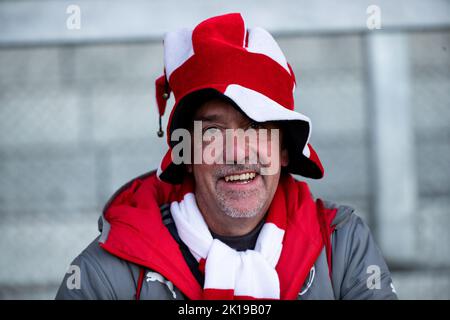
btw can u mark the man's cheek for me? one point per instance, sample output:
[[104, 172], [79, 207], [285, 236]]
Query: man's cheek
[[272, 167], [269, 153], [206, 174]]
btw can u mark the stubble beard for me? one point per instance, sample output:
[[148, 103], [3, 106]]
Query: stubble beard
[[225, 201]]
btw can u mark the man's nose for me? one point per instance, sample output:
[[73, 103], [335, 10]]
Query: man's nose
[[237, 147]]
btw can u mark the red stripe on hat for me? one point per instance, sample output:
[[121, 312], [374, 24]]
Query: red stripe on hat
[[229, 28], [224, 65]]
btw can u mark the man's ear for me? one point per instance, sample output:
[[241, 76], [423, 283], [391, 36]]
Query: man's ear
[[284, 157]]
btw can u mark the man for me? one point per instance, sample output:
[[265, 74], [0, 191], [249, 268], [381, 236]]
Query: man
[[222, 218]]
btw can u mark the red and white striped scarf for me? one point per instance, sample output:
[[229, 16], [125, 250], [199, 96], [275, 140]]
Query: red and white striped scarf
[[228, 272]]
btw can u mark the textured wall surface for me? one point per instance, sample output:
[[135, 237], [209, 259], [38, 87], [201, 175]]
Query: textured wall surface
[[76, 122]]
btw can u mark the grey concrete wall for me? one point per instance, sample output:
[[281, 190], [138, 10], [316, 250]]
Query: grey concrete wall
[[78, 121]]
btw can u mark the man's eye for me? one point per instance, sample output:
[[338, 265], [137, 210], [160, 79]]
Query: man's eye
[[210, 130]]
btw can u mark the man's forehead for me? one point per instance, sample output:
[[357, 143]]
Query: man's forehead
[[218, 109]]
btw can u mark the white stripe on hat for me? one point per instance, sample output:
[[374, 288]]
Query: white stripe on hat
[[260, 41], [178, 49], [259, 107]]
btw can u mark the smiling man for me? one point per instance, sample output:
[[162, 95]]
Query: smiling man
[[223, 218], [233, 194]]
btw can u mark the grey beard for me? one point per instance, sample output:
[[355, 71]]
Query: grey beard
[[234, 212]]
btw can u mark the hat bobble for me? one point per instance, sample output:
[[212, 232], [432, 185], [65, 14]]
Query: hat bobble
[[162, 95]]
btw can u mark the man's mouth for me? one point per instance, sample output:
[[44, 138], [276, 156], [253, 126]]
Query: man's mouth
[[240, 178]]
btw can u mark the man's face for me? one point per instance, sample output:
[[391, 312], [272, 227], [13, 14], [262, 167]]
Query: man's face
[[239, 188]]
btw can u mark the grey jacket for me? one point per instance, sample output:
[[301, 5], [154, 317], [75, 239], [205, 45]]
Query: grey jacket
[[358, 269]]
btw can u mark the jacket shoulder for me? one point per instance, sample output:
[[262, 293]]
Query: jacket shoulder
[[100, 276], [359, 270], [96, 274], [343, 213]]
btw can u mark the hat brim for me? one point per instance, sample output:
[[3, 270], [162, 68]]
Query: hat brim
[[303, 160]]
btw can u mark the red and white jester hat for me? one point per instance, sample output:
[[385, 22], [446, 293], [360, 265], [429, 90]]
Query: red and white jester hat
[[245, 65]]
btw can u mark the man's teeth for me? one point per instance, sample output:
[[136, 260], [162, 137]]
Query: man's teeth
[[241, 177]]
